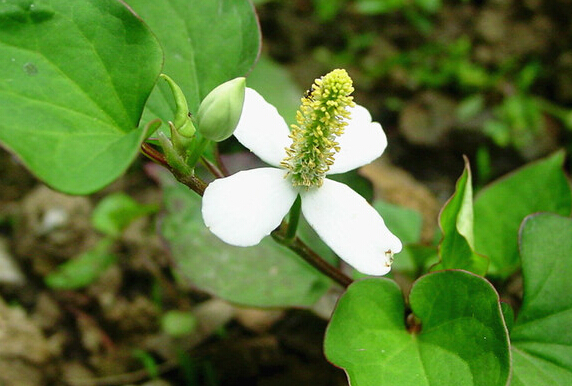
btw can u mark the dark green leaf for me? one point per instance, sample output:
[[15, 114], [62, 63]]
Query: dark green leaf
[[508, 315], [541, 336], [74, 78], [206, 43], [463, 340], [500, 208]]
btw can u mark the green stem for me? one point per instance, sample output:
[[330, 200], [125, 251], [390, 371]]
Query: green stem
[[153, 154], [192, 181], [188, 179], [293, 220], [199, 145], [215, 171]]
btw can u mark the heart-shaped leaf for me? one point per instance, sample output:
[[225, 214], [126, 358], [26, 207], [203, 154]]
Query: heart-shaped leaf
[[462, 342], [206, 43], [542, 335], [266, 275], [500, 208], [74, 78], [456, 249]]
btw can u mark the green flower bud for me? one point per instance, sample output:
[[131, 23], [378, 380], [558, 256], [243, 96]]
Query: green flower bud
[[220, 111], [182, 121]]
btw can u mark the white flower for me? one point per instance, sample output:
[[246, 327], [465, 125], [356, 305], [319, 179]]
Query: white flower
[[245, 207]]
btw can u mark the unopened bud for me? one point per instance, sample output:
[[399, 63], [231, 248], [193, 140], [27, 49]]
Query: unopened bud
[[182, 121], [220, 111]]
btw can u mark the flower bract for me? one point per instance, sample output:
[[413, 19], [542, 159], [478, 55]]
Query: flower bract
[[245, 207]]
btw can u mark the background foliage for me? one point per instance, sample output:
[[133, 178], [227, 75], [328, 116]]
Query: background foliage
[[480, 294]]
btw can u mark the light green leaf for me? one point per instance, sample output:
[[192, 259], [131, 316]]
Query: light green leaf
[[376, 7], [74, 78], [84, 269], [456, 220], [206, 43], [266, 275], [178, 323], [463, 340], [541, 336], [116, 211], [326, 10], [500, 208]]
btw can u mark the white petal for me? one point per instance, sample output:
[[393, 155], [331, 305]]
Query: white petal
[[362, 142], [262, 130], [245, 207], [351, 227]]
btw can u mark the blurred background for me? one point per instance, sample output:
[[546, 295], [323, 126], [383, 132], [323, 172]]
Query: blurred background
[[490, 79]]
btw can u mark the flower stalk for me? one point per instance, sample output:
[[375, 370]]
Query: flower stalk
[[293, 220], [197, 149]]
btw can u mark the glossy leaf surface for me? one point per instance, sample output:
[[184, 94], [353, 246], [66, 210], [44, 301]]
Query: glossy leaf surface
[[541, 336], [462, 342], [206, 43], [500, 208], [456, 249], [74, 78]]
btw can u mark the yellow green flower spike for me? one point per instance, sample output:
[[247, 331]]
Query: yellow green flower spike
[[321, 118]]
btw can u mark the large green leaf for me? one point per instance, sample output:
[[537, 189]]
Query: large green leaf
[[463, 340], [74, 78], [500, 208], [265, 275], [206, 43], [456, 249], [542, 333]]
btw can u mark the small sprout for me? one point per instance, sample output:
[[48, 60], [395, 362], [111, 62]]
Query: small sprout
[[178, 323], [84, 269]]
